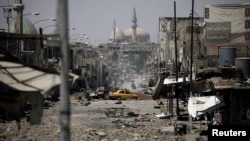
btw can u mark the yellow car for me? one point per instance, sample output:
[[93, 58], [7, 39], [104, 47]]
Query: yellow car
[[122, 95]]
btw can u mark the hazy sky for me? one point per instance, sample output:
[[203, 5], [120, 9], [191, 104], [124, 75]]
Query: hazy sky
[[95, 18]]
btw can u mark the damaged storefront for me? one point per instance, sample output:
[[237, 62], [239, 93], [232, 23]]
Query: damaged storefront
[[22, 85], [237, 108], [229, 104]]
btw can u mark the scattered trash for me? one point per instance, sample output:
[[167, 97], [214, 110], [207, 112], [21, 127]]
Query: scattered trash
[[118, 102], [163, 116], [143, 118], [157, 107]]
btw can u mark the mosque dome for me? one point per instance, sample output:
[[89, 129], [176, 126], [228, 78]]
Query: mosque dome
[[119, 35], [141, 35], [28, 27]]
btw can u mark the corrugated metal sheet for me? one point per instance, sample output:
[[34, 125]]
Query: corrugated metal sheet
[[26, 79], [204, 104], [21, 84]]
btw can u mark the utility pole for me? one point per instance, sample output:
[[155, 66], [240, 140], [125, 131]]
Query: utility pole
[[176, 64], [191, 61], [114, 28], [41, 52], [64, 87]]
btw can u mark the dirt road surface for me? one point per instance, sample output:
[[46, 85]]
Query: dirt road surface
[[101, 120]]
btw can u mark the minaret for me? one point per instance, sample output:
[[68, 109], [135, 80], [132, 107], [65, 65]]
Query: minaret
[[114, 30], [18, 13], [134, 26]]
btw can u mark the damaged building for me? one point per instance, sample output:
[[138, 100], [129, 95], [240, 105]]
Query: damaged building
[[221, 63]]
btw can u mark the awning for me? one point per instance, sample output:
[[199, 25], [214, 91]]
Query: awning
[[20, 84], [27, 79], [204, 104]]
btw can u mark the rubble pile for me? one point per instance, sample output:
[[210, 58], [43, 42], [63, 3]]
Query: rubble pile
[[132, 120]]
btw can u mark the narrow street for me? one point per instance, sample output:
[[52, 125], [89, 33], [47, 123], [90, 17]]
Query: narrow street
[[101, 120]]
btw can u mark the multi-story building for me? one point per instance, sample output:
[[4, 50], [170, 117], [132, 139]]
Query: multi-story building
[[183, 37]]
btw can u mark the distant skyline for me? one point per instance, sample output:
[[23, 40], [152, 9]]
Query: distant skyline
[[95, 18]]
